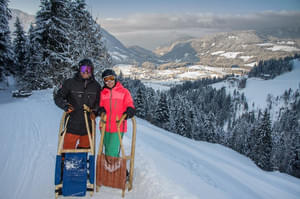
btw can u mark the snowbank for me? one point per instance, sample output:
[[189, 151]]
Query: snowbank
[[167, 165]]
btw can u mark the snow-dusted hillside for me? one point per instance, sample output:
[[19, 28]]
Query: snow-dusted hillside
[[260, 93], [242, 48], [167, 165], [122, 54]]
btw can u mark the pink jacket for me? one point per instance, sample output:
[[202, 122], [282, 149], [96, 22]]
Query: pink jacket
[[115, 101]]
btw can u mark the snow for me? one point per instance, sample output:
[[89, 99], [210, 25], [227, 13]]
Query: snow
[[218, 52], [230, 55], [232, 37], [160, 85], [170, 76], [8, 82], [191, 75], [265, 44], [257, 90], [213, 69], [125, 68], [286, 42], [245, 58], [251, 64], [117, 55], [166, 165], [283, 48]]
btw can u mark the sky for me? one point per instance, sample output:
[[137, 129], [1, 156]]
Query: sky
[[134, 21]]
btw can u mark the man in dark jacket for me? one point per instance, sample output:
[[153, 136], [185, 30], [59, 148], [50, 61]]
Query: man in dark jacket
[[74, 93]]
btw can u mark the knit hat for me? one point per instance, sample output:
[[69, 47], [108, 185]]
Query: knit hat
[[85, 62], [108, 72]]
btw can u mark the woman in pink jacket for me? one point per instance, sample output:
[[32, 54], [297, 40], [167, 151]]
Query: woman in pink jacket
[[115, 100]]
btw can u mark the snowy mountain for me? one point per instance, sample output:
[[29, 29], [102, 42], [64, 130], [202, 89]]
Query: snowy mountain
[[25, 19], [123, 55], [166, 165], [143, 53], [242, 48]]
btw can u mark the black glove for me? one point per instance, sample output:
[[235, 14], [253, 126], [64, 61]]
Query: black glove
[[68, 108], [129, 112], [101, 110]]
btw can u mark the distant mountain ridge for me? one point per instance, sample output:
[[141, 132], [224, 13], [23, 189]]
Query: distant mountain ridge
[[241, 48], [122, 54]]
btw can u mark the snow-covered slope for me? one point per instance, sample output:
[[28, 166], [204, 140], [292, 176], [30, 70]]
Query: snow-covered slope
[[257, 91], [167, 165]]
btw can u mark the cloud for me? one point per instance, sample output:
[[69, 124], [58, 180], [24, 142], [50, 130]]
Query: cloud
[[139, 22], [135, 28]]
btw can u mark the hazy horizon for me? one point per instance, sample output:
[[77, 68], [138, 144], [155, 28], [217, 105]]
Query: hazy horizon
[[150, 24]]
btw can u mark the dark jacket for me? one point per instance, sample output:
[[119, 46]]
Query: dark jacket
[[78, 91]]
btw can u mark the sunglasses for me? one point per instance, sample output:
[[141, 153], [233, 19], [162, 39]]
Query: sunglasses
[[109, 78], [86, 69]]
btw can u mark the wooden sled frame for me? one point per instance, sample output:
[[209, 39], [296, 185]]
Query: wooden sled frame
[[92, 139], [129, 184]]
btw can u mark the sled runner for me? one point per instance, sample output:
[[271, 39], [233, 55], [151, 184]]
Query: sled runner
[[111, 171], [75, 168]]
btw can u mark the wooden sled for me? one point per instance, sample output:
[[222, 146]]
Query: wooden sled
[[75, 168], [111, 171]]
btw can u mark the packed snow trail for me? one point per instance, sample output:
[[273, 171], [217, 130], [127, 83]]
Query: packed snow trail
[[166, 165]]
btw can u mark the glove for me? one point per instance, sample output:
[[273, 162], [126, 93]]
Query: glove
[[92, 116], [101, 110], [130, 112], [69, 108]]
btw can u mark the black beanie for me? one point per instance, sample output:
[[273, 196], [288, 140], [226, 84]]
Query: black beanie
[[108, 72], [85, 62]]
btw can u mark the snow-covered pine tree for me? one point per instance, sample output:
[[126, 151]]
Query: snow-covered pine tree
[[209, 126], [34, 75], [99, 52], [191, 120], [20, 49], [87, 38], [55, 33], [174, 106], [263, 146], [162, 110], [181, 119], [286, 138], [151, 103], [6, 52], [139, 102], [293, 154], [241, 134], [271, 68], [63, 34], [198, 133]]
